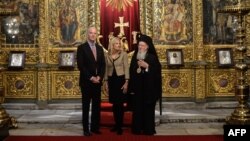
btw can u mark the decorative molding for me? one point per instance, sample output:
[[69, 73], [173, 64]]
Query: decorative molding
[[65, 85], [248, 33], [221, 82], [43, 90], [20, 85], [200, 84], [147, 20], [177, 84], [198, 30]]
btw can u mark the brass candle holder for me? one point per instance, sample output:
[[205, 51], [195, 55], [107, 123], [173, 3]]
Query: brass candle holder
[[241, 114]]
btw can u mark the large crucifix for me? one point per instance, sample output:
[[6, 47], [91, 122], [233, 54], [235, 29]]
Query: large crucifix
[[121, 25]]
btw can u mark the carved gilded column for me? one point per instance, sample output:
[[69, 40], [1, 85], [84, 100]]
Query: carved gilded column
[[42, 89], [146, 17], [93, 14], [199, 55], [248, 33]]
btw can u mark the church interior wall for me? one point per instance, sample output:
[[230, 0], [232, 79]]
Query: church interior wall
[[197, 78]]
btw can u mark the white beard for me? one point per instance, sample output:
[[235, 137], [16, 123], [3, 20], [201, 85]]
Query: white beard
[[141, 55]]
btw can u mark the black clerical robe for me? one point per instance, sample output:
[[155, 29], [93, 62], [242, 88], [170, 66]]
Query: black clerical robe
[[147, 88]]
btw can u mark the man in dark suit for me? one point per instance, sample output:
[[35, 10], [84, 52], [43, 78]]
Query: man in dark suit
[[91, 64]]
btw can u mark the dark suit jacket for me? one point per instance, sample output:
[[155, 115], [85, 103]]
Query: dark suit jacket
[[87, 64]]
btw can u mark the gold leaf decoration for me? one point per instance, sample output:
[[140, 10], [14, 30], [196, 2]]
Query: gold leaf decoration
[[119, 4]]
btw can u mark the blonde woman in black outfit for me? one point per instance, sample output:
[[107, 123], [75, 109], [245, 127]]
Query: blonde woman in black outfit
[[116, 81]]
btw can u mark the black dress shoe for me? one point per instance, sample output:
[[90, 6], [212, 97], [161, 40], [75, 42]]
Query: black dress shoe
[[114, 129], [136, 132], [119, 132], [149, 133], [96, 131], [87, 133]]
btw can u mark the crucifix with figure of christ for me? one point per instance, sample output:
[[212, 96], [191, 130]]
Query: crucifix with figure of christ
[[121, 25]]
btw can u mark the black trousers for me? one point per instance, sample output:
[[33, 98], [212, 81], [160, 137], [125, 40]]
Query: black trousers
[[91, 94], [118, 112]]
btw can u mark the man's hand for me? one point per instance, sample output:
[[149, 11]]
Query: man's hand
[[142, 64], [95, 79]]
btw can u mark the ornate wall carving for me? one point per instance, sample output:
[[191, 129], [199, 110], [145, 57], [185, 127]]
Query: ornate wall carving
[[221, 82], [65, 85], [177, 84], [20, 85]]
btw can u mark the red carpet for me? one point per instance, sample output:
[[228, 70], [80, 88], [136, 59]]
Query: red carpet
[[116, 138], [107, 118], [110, 136]]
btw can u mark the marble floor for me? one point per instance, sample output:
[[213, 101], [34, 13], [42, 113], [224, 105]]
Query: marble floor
[[65, 119]]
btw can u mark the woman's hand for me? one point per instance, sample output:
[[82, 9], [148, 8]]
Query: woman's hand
[[125, 87], [106, 87]]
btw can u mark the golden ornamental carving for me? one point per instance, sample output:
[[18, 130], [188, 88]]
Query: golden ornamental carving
[[98, 18], [65, 85], [142, 19], [200, 84], [210, 54], [148, 18], [43, 38], [53, 56], [1, 79], [92, 17], [177, 84], [198, 29], [4, 56], [20, 85], [188, 53], [42, 86], [221, 83], [161, 52], [31, 56], [248, 34]]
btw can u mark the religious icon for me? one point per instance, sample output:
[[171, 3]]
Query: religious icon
[[175, 22], [224, 57], [16, 59], [67, 59], [219, 28], [68, 22], [174, 57], [24, 27]]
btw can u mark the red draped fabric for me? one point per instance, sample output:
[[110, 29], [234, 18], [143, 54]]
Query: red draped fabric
[[111, 10]]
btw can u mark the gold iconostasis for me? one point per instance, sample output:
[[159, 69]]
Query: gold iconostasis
[[195, 44]]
